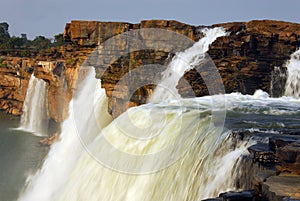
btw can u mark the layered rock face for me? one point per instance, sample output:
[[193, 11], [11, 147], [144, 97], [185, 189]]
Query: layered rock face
[[60, 73], [14, 77], [129, 59], [245, 59]]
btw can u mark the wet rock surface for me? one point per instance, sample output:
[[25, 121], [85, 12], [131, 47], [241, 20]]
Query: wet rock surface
[[273, 167], [262, 153], [249, 195]]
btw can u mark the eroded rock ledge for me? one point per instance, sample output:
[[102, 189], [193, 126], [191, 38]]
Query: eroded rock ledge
[[246, 58], [272, 170], [60, 72]]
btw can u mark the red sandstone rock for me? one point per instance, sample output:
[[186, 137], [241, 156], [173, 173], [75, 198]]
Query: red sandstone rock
[[245, 59]]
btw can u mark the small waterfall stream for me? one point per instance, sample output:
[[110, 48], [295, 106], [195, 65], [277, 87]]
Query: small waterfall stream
[[183, 62], [34, 118], [292, 86], [82, 125]]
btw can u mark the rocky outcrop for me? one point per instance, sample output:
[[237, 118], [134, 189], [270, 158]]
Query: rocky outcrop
[[59, 72], [270, 170], [125, 48], [245, 59], [256, 47], [284, 183], [273, 168], [249, 195], [93, 33], [14, 77], [130, 58]]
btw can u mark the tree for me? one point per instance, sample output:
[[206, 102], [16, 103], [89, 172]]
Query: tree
[[59, 40], [4, 35], [24, 36], [41, 43], [15, 42]]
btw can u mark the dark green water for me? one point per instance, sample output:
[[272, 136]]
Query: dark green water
[[20, 155]]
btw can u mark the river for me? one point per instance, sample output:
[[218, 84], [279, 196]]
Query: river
[[21, 155]]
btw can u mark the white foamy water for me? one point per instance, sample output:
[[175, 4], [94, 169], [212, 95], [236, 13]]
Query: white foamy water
[[292, 86], [117, 164], [262, 103], [82, 125], [183, 62], [121, 171], [34, 118]]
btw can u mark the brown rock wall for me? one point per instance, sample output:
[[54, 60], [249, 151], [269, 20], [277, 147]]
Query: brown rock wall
[[245, 59]]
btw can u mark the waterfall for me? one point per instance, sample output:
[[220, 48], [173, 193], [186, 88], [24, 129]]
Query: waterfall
[[79, 128], [292, 86], [122, 167], [171, 150], [34, 118], [183, 62], [278, 80]]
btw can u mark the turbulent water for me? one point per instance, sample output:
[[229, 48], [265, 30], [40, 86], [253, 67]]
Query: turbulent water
[[206, 164], [34, 118], [199, 162], [169, 149], [81, 126], [292, 87], [182, 62]]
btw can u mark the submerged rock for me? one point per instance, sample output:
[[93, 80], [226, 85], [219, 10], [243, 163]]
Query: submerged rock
[[50, 140], [248, 195]]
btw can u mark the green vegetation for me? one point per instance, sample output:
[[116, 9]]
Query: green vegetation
[[4, 35], [71, 62], [24, 47], [2, 64]]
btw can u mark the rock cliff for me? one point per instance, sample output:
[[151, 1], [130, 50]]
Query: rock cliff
[[249, 58], [59, 72]]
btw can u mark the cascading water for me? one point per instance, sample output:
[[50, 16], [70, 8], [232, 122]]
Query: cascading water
[[278, 80], [292, 86], [203, 167], [34, 118], [166, 151], [182, 62], [90, 101]]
